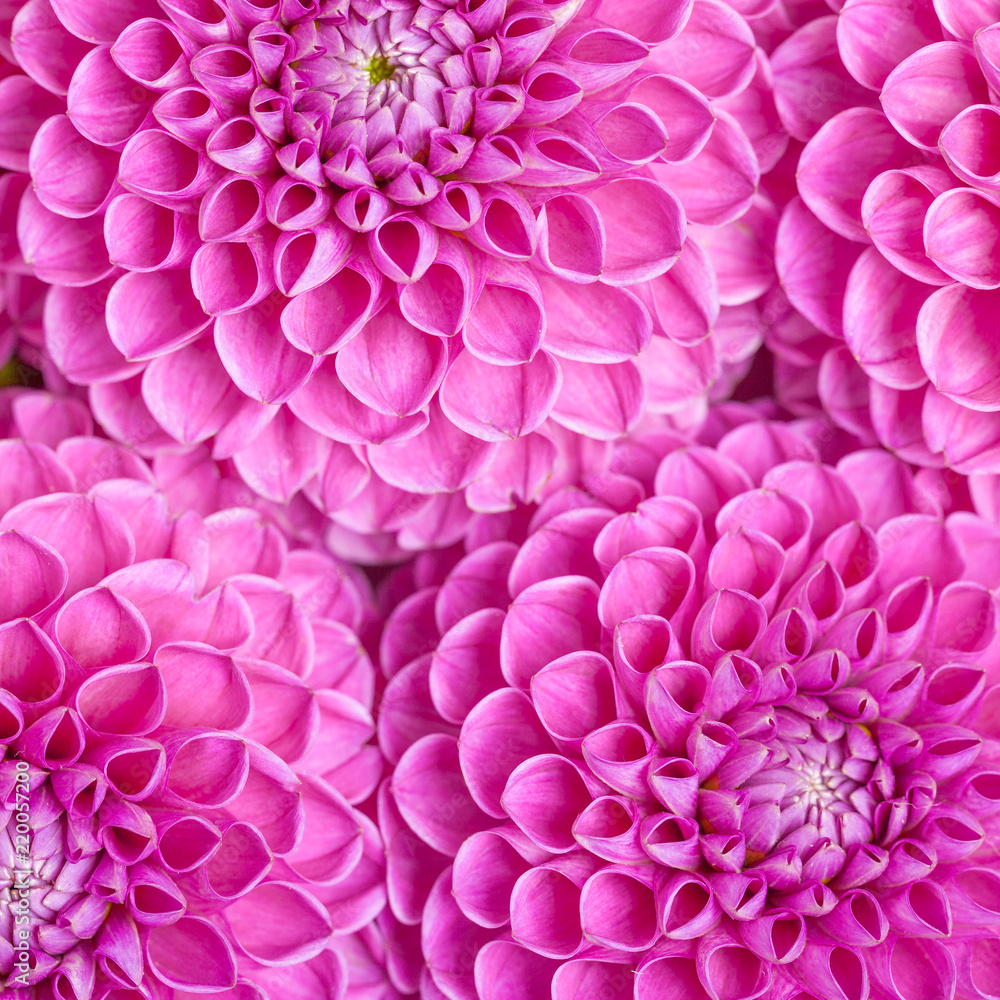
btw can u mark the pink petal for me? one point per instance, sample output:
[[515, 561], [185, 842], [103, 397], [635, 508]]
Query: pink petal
[[712, 27], [428, 773], [881, 309], [543, 796], [684, 302], [30, 106], [440, 458], [545, 621], [44, 48], [976, 215], [189, 671], [123, 701], [617, 388], [391, 366], [618, 910], [498, 403], [77, 192], [813, 264], [638, 253], [594, 323], [893, 211], [925, 91], [208, 961], [966, 143], [718, 184], [959, 316], [152, 314], [757, 114], [189, 392], [874, 37], [92, 538], [507, 323], [87, 622], [37, 575], [88, 355], [500, 733], [466, 665], [100, 100], [965, 18], [833, 177], [61, 251], [690, 115], [811, 84]]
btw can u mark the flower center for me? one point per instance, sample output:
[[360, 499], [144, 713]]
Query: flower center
[[379, 69]]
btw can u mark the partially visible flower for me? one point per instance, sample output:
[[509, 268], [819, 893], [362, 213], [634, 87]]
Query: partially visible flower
[[888, 250], [399, 253], [738, 741], [184, 714]]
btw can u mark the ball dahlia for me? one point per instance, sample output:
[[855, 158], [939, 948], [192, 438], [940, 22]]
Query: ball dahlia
[[184, 708], [405, 246], [738, 741], [888, 249]]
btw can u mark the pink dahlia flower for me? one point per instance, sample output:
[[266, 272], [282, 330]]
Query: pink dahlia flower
[[888, 251], [740, 741], [402, 247], [184, 708]]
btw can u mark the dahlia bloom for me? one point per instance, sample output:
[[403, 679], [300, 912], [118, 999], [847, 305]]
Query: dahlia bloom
[[737, 740], [888, 250], [402, 247], [184, 708]]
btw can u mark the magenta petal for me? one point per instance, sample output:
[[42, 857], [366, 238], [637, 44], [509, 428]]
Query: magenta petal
[[92, 538], [30, 106], [966, 143], [911, 967], [325, 405], [601, 401], [925, 91], [151, 314], [686, 905], [976, 215], [545, 906], [61, 251], [440, 458], [718, 184], [322, 320], [544, 796], [893, 211], [75, 193], [37, 575], [500, 733], [813, 264], [506, 971], [507, 323], [43, 47], [964, 17], [391, 366], [873, 38], [719, 29], [832, 178], [208, 960], [618, 910], [881, 309], [595, 322], [426, 772], [189, 670], [637, 253], [498, 403], [466, 665]]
